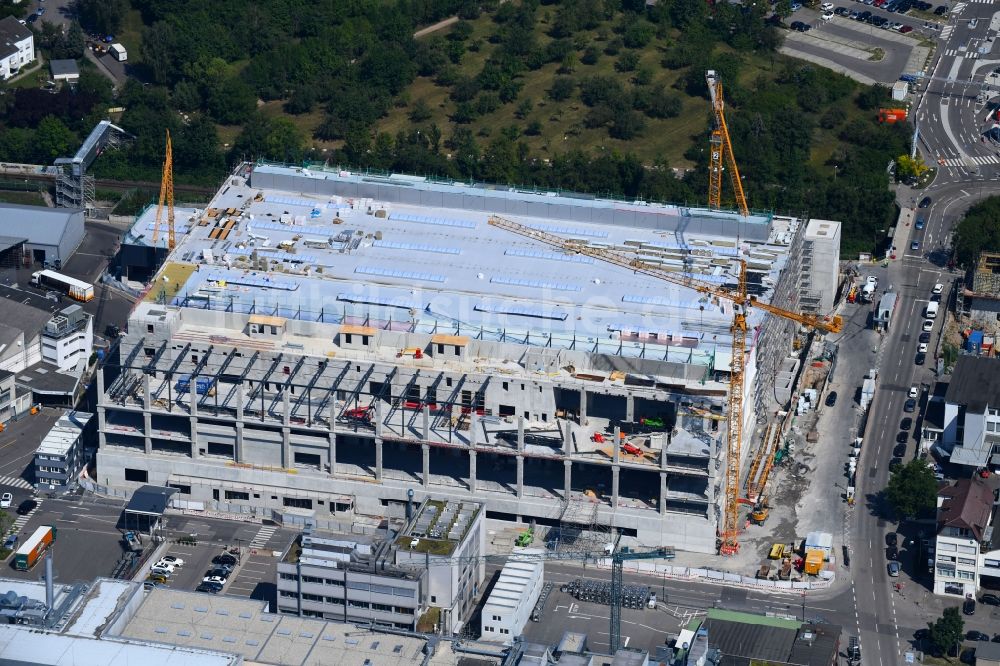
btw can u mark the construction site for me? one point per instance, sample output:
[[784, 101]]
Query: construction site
[[325, 342]]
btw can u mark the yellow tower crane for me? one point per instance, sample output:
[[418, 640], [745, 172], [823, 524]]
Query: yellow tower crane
[[742, 302], [722, 149], [166, 192]]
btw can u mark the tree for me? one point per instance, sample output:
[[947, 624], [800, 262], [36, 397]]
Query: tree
[[947, 630], [783, 8], [420, 112], [909, 167], [104, 16], [187, 96], [912, 489], [978, 231], [232, 102], [562, 88], [53, 139]]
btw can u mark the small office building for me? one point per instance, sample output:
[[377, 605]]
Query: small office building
[[63, 452], [509, 606]]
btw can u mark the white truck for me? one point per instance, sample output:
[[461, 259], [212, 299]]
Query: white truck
[[932, 310], [118, 52]]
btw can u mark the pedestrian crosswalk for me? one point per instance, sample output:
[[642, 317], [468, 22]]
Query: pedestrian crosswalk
[[15, 482], [21, 521], [982, 2], [958, 6], [982, 160], [971, 55], [263, 536], [946, 31]]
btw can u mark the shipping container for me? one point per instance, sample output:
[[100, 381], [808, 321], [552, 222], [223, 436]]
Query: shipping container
[[204, 385], [34, 547]]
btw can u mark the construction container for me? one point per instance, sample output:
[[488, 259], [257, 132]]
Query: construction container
[[814, 562], [34, 547]]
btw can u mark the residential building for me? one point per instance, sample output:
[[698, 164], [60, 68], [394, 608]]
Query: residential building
[[68, 338], [967, 546], [820, 268], [63, 452], [51, 235], [338, 362], [11, 404], [513, 597], [971, 433], [434, 562], [17, 46]]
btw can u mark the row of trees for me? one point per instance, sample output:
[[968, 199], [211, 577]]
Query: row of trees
[[978, 231]]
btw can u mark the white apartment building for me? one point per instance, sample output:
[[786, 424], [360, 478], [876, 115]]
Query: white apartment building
[[17, 47], [967, 545], [512, 599], [61, 455], [971, 424], [68, 338]]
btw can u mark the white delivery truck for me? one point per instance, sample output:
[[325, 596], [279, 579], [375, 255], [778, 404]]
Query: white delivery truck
[[932, 310], [118, 52]]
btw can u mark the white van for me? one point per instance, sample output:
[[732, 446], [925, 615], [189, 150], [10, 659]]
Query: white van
[[932, 310]]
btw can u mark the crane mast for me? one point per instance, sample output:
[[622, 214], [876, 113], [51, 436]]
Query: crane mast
[[166, 192], [722, 150], [742, 303]]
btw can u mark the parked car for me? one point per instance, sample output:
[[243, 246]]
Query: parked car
[[827, 16], [891, 553], [910, 406], [928, 325], [974, 635], [915, 245], [891, 539], [906, 29], [893, 568], [209, 588], [214, 579], [160, 571], [10, 543], [895, 464], [827, 6], [969, 607], [224, 558], [156, 578], [920, 358], [938, 288], [990, 599], [921, 634], [906, 423], [165, 564], [831, 399], [26, 507], [6, 500], [900, 449], [218, 573], [901, 437], [922, 347], [925, 337], [172, 559]]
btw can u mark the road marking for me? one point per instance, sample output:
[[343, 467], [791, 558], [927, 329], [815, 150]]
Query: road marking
[[15, 482]]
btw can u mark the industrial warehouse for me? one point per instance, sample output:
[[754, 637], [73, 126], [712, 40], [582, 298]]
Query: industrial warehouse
[[323, 341]]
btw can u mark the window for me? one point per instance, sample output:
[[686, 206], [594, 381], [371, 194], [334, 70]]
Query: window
[[348, 338], [138, 475], [298, 502], [286, 576], [440, 348], [966, 575], [149, 351], [288, 593], [447, 381], [237, 495], [967, 562], [433, 599], [946, 571], [149, 328], [364, 340], [506, 386]]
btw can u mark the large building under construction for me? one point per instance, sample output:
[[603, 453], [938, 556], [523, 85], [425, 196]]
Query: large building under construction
[[327, 341]]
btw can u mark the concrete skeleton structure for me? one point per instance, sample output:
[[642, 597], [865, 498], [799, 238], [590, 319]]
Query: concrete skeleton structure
[[355, 336]]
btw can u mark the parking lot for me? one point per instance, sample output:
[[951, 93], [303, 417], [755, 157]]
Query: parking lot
[[858, 49]]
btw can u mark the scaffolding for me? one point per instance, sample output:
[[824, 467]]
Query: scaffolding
[[74, 188]]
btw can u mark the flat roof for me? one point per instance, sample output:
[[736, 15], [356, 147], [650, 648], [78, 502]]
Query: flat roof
[[512, 585], [64, 68], [244, 627], [289, 248], [150, 500], [64, 433], [47, 378]]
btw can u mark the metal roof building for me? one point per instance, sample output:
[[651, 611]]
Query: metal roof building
[[53, 234], [513, 597]]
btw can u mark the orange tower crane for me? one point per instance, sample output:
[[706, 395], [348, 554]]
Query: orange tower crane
[[742, 302], [722, 149], [166, 192]]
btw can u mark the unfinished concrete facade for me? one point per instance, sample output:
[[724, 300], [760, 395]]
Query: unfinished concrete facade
[[293, 385]]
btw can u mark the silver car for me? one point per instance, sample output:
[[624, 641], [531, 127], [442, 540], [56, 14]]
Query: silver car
[[893, 567]]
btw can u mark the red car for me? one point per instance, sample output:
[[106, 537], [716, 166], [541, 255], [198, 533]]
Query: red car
[[906, 28]]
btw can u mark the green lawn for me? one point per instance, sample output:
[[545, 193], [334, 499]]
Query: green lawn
[[23, 198]]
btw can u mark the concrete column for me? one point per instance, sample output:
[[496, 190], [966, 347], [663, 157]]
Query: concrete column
[[520, 433], [663, 492], [378, 458], [472, 472], [240, 399], [663, 451], [630, 408], [193, 396], [426, 425], [425, 451], [147, 430], [520, 476], [286, 406], [238, 452], [332, 435], [378, 418], [147, 399], [195, 453], [567, 438], [473, 429], [616, 452], [286, 448], [567, 478], [615, 470], [583, 406], [101, 416]]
